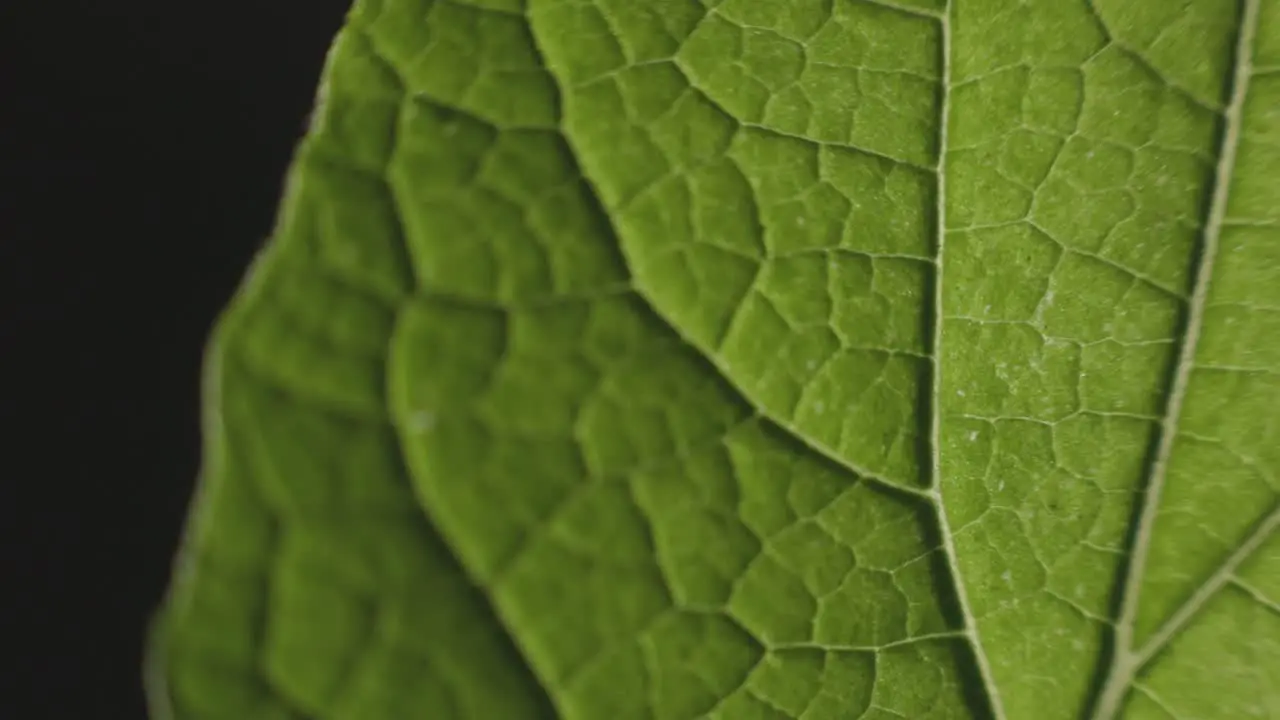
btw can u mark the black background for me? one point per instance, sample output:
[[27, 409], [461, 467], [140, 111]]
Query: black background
[[143, 147]]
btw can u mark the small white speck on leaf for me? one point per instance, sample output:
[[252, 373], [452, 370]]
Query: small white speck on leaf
[[973, 435], [960, 393], [1007, 577], [422, 421]]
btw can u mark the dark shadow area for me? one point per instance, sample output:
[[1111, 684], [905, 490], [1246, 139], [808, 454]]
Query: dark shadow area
[[975, 695], [144, 147], [946, 581]]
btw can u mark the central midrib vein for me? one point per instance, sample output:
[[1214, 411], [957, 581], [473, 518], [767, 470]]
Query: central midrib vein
[[1126, 659], [935, 433]]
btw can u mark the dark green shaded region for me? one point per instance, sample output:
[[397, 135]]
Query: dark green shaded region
[[312, 586]]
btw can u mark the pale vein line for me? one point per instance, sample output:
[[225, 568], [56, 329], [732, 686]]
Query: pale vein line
[[948, 544], [908, 9], [1156, 700], [837, 647], [1196, 602], [1125, 661], [1255, 594]]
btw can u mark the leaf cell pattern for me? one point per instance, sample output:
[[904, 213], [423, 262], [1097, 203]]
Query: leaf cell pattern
[[752, 359]]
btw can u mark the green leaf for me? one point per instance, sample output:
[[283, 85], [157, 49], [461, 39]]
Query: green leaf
[[755, 359]]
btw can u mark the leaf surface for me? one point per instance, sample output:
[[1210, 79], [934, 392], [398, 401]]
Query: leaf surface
[[755, 359]]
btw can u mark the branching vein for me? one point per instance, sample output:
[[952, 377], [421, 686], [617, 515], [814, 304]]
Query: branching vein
[[1127, 659]]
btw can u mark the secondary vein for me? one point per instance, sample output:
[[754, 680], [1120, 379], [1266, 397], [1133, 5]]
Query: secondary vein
[[1125, 659], [1219, 578], [948, 543]]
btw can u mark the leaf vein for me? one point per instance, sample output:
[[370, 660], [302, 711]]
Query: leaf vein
[[1125, 660], [948, 544]]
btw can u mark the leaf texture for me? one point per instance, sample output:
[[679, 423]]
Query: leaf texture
[[754, 359]]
